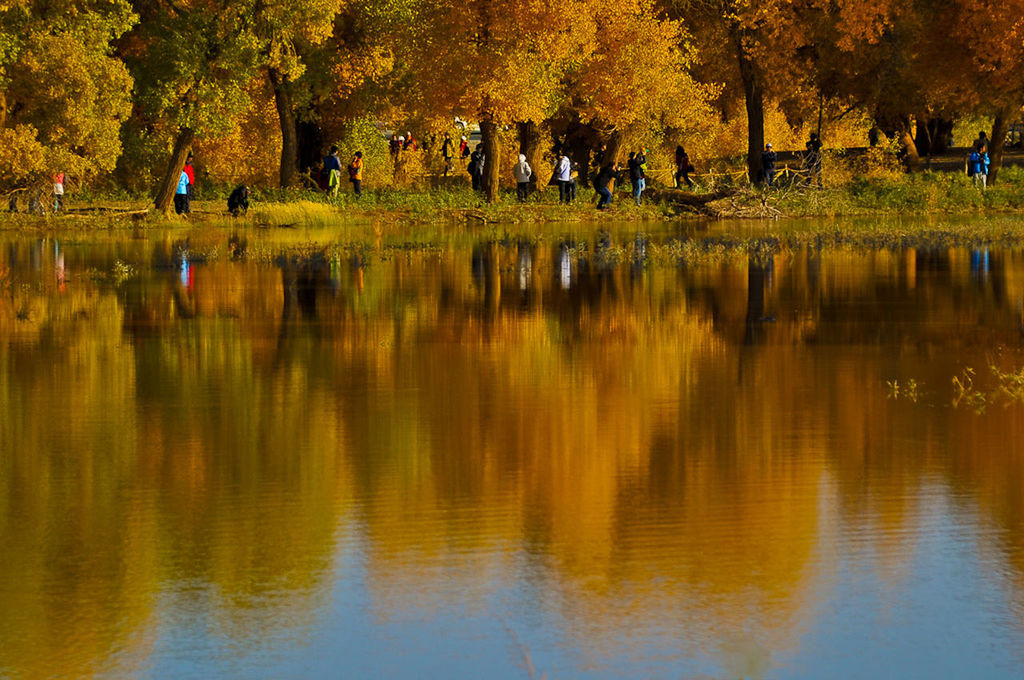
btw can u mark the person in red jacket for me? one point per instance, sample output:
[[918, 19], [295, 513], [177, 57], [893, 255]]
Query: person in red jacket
[[191, 172]]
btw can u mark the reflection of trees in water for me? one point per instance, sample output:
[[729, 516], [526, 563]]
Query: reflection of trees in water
[[601, 425]]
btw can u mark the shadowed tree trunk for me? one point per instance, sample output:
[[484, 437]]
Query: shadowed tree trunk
[[753, 96], [996, 143], [289, 134], [492, 149], [169, 184], [611, 149], [529, 146]]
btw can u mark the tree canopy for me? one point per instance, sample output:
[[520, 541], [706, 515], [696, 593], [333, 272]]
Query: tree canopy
[[89, 84]]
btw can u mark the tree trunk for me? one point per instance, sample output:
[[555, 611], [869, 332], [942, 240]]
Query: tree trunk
[[912, 158], [996, 142], [289, 133], [611, 149], [169, 184], [753, 95], [923, 136], [529, 146], [492, 149], [910, 154]]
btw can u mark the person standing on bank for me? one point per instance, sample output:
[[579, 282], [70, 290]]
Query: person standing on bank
[[181, 200], [683, 167], [191, 172], [602, 184], [447, 153], [332, 171], [476, 167], [812, 159], [355, 173], [563, 175], [522, 173], [58, 192], [768, 159], [637, 176]]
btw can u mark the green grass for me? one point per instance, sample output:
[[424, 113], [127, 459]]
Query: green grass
[[877, 194], [924, 193]]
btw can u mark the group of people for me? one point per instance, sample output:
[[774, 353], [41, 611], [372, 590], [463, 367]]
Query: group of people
[[811, 161], [330, 175]]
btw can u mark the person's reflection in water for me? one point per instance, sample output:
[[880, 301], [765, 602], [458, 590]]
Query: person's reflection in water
[[186, 274], [59, 269], [639, 261], [979, 264], [525, 267], [335, 274], [477, 265], [564, 266], [357, 272]]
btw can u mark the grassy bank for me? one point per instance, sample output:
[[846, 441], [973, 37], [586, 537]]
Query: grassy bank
[[879, 194], [922, 193]]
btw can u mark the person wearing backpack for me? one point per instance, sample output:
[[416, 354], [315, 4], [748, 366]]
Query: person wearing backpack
[[355, 173]]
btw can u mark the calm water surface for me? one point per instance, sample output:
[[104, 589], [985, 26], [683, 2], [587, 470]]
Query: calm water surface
[[504, 461]]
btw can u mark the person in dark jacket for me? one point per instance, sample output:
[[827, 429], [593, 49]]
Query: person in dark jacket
[[330, 176], [636, 175], [447, 153], [683, 167], [768, 158], [476, 167], [238, 201], [812, 159], [602, 184]]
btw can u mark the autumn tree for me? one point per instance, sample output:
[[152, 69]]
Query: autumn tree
[[990, 35], [495, 61], [636, 81], [63, 96], [737, 43], [192, 61], [287, 32]]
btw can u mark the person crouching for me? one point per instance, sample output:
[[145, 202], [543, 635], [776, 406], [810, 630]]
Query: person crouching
[[238, 201]]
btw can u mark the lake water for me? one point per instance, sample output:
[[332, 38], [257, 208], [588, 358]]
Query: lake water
[[494, 460]]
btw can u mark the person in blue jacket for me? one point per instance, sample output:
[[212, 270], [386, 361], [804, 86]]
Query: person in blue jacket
[[977, 167], [182, 204]]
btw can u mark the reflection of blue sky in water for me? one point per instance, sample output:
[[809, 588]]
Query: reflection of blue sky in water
[[897, 611]]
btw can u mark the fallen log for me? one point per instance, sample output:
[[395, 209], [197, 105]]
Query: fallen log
[[688, 198]]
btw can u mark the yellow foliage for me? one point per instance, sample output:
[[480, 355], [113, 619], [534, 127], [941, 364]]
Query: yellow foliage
[[251, 152]]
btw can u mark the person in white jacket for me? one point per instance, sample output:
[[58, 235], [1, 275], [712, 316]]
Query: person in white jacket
[[522, 172], [563, 174]]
